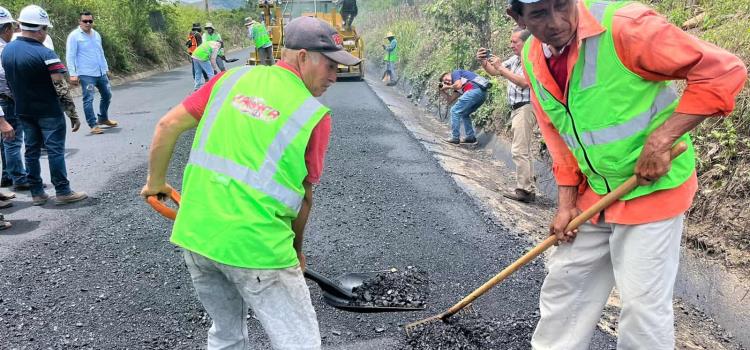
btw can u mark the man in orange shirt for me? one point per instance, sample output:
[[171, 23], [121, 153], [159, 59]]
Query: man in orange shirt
[[599, 73]]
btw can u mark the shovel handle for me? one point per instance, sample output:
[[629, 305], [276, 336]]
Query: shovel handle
[[625, 188], [161, 208]]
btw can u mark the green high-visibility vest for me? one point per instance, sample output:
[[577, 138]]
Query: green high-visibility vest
[[243, 185], [610, 113], [203, 51], [392, 56], [260, 35], [213, 37]]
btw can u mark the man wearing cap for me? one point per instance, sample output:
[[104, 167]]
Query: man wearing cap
[[35, 76], [391, 57], [85, 58], [600, 75], [247, 191], [205, 59], [212, 35], [263, 45]]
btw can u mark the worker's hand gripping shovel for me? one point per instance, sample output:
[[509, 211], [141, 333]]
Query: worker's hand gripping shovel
[[163, 209], [603, 203], [338, 293]]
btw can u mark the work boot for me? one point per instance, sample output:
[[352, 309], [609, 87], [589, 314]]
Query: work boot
[[39, 200], [6, 183], [470, 140], [452, 140], [110, 123], [520, 195], [97, 130], [71, 198], [7, 196]]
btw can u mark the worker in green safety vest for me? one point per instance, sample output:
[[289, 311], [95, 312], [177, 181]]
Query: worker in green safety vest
[[258, 33], [390, 58], [247, 189], [212, 35], [600, 75], [205, 58]]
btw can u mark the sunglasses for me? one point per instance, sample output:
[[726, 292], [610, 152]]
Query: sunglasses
[[89, 21]]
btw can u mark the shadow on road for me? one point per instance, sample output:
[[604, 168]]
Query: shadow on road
[[20, 227]]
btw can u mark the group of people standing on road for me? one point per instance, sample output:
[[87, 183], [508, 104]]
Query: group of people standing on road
[[35, 97]]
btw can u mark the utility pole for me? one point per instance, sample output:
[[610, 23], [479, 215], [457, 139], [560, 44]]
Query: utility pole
[[205, 2]]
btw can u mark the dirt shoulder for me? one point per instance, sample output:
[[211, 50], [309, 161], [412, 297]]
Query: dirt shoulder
[[484, 178]]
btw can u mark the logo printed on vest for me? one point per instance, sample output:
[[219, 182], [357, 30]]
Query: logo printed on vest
[[255, 107]]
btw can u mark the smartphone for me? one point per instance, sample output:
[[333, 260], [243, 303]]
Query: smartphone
[[488, 54]]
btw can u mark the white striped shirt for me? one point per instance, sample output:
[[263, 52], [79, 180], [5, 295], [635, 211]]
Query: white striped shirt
[[516, 94]]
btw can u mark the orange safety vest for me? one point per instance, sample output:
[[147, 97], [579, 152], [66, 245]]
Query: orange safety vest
[[193, 43]]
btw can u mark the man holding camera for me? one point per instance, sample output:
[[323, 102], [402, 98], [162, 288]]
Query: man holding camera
[[522, 113], [470, 91]]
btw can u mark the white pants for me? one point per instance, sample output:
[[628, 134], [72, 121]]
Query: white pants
[[279, 298], [641, 260]]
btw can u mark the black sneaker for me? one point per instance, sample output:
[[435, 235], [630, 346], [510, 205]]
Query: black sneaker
[[452, 140], [470, 140], [520, 195]]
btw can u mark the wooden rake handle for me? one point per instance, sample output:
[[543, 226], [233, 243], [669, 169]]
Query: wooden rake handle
[[603, 203], [160, 207]]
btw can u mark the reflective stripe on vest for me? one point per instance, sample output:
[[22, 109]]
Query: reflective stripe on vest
[[592, 47], [622, 131], [260, 180]]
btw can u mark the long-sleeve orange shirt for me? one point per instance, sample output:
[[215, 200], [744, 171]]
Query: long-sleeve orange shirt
[[651, 47]]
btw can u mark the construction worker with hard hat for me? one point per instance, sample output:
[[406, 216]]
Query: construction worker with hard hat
[[36, 78], [600, 75], [258, 33], [247, 191], [390, 59]]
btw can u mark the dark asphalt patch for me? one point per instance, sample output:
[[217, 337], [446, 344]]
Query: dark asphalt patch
[[395, 288], [471, 332]]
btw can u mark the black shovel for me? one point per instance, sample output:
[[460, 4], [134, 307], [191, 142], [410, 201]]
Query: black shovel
[[340, 293]]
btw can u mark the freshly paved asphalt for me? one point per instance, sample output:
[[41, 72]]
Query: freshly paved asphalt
[[102, 274]]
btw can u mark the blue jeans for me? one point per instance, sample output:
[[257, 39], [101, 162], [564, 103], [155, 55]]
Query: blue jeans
[[200, 67], [88, 83], [12, 158], [467, 104], [50, 132]]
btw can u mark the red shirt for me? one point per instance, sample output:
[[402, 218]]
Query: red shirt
[[649, 46], [316, 146]]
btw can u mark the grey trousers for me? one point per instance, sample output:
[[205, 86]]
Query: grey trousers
[[279, 299], [641, 260], [266, 56]]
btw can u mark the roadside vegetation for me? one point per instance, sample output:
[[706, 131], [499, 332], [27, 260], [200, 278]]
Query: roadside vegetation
[[439, 35], [138, 34]]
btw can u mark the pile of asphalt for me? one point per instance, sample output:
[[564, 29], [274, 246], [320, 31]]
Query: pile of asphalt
[[471, 332], [395, 288]]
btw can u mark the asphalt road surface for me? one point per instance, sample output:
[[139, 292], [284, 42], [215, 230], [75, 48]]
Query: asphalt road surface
[[102, 275]]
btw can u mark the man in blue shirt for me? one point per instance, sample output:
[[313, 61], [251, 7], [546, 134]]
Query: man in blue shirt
[[87, 65], [469, 89], [35, 76]]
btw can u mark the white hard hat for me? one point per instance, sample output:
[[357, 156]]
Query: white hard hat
[[5, 16], [34, 15]]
